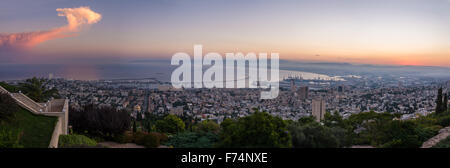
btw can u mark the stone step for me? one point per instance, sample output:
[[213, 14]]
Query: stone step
[[27, 103]]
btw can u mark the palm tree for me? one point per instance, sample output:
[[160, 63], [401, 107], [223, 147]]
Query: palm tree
[[35, 88]]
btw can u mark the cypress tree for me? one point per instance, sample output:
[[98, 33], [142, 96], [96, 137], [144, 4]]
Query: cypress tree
[[444, 104], [439, 101]]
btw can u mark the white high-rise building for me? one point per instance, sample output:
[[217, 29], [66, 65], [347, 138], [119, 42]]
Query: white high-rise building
[[318, 109]]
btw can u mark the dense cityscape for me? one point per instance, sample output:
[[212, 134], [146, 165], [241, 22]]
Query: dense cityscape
[[407, 96]]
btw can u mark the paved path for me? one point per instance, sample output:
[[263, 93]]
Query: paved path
[[443, 133], [361, 146], [118, 145]]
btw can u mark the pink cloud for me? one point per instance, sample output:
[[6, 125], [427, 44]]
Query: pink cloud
[[76, 18]]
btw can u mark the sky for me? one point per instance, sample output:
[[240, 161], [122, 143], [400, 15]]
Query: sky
[[394, 32]]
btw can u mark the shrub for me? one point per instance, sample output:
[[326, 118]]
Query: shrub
[[395, 143], [192, 140], [126, 137], [162, 137], [74, 140], [149, 140], [444, 121], [138, 137], [170, 124]]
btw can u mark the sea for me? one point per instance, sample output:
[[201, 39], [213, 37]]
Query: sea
[[159, 70]]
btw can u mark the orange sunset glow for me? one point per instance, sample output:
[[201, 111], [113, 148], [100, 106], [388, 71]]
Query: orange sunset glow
[[393, 32]]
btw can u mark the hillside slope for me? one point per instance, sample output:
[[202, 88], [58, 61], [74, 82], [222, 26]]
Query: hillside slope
[[28, 130]]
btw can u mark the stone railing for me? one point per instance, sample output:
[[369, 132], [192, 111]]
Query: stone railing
[[27, 103]]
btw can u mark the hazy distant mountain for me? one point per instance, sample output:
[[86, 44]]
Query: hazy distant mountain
[[331, 68]]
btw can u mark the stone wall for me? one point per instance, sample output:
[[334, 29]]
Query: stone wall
[[56, 132]]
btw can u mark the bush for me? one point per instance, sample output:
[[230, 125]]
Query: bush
[[138, 137], [170, 124], [162, 137], [126, 137], [444, 121], [192, 140], [74, 140], [395, 143], [149, 140]]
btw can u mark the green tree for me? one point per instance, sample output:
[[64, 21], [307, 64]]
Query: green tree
[[170, 124], [314, 135], [207, 126], [403, 134], [364, 127], [104, 122], [8, 87], [257, 130], [307, 120], [334, 120], [35, 88], [383, 130]]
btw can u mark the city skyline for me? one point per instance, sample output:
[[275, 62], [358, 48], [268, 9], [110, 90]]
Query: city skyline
[[412, 32]]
